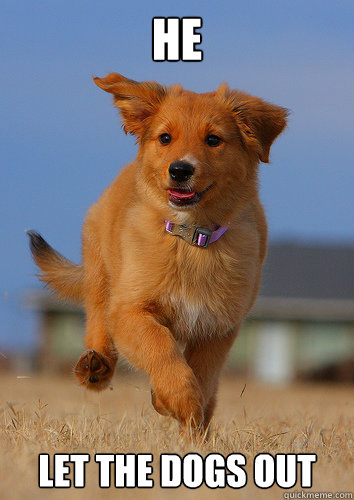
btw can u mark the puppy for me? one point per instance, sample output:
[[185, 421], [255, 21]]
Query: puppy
[[173, 249]]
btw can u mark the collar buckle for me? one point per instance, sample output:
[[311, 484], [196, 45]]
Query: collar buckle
[[201, 237]]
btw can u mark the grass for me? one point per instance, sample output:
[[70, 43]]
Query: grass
[[53, 415]]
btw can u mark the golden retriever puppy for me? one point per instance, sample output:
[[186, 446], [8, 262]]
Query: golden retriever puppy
[[173, 249]]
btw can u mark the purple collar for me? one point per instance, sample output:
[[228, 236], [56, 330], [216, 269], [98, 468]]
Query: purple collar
[[194, 235]]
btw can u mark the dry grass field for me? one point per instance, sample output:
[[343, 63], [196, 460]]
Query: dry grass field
[[39, 415]]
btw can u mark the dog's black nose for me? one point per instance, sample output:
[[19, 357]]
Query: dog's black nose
[[181, 171]]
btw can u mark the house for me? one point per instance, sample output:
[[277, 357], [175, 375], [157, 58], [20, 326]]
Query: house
[[302, 322], [300, 326]]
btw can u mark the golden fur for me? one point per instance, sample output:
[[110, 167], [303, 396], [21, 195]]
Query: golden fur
[[172, 309]]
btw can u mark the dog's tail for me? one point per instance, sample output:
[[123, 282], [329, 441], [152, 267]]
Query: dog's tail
[[63, 276]]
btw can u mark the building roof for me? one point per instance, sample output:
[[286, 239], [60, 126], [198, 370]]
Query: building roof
[[307, 283], [304, 271]]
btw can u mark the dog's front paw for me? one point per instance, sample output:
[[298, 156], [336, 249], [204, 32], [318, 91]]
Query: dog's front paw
[[183, 401], [94, 370], [157, 404]]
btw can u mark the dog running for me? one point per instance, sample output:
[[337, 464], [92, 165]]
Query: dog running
[[172, 251]]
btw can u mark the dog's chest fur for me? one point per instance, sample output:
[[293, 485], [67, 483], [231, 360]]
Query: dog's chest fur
[[198, 306], [187, 319], [196, 293]]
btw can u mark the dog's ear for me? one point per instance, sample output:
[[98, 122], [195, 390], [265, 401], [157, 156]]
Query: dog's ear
[[259, 121], [136, 101]]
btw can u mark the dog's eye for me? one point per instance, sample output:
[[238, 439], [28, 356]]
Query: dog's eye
[[165, 138], [212, 140]]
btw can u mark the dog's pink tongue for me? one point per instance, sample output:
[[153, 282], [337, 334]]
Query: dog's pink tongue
[[181, 194]]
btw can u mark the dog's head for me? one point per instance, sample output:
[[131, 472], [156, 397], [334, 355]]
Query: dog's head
[[198, 153]]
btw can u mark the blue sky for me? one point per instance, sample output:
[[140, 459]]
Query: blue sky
[[61, 142]]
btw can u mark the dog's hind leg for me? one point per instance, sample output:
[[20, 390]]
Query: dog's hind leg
[[206, 359], [96, 365]]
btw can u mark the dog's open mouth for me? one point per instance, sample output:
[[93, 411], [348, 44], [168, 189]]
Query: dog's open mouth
[[185, 197]]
